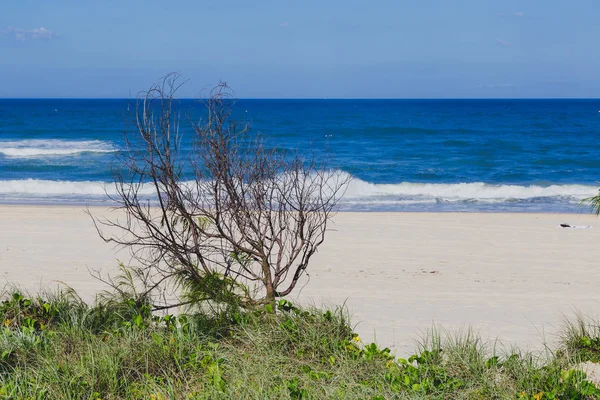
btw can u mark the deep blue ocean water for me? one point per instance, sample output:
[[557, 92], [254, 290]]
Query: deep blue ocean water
[[404, 155]]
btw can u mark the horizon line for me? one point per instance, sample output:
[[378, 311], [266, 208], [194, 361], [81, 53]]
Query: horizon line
[[314, 98]]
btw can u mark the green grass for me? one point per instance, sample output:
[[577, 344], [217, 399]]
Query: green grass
[[58, 347]]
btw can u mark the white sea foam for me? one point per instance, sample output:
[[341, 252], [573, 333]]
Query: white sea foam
[[39, 187], [52, 147], [359, 193], [62, 189], [477, 191]]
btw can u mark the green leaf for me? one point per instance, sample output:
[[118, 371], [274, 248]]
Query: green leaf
[[492, 362]]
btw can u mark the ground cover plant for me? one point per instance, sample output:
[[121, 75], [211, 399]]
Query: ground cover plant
[[57, 347]]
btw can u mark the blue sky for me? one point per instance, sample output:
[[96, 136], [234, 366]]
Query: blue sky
[[300, 49]]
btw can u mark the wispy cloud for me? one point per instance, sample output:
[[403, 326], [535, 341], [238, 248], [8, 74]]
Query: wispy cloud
[[518, 14], [40, 33], [502, 42], [284, 24], [496, 85]]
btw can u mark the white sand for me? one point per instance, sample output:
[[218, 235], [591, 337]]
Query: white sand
[[511, 276]]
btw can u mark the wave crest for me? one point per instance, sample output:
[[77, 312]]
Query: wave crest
[[53, 147], [476, 191], [360, 195]]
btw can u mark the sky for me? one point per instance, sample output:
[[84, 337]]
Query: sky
[[302, 49]]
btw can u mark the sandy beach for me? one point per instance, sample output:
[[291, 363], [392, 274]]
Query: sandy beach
[[509, 276]]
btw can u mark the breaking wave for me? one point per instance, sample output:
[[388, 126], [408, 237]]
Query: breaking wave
[[359, 196], [477, 191], [53, 147]]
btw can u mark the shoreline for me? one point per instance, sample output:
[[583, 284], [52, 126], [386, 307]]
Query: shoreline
[[507, 275], [584, 210], [360, 196]]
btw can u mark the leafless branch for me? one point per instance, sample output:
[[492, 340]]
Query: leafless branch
[[247, 219]]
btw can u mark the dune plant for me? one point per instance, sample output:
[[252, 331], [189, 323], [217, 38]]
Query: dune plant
[[58, 347], [593, 203]]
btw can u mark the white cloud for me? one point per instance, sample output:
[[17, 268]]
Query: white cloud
[[502, 42], [40, 33]]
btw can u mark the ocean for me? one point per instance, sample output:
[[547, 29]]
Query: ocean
[[404, 155]]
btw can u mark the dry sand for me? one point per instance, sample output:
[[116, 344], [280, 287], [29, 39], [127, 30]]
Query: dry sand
[[510, 276]]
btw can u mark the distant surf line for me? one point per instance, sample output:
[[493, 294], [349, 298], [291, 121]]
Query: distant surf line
[[31, 148]]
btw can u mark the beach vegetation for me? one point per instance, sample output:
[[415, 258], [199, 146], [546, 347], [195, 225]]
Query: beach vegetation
[[57, 346], [232, 222], [592, 203]]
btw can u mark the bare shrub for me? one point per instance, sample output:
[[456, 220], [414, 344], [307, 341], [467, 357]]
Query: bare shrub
[[241, 227]]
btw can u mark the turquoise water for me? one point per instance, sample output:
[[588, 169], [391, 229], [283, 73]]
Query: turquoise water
[[404, 155]]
